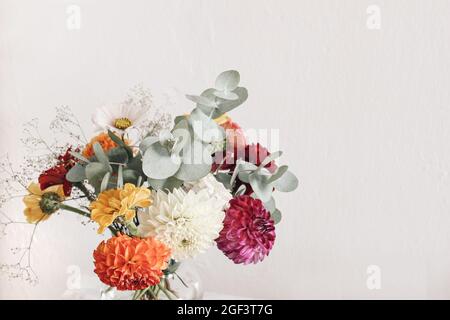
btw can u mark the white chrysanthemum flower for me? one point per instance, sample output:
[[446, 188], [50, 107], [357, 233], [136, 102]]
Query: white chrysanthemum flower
[[187, 222], [214, 188]]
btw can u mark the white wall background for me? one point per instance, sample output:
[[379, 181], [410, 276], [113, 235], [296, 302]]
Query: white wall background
[[364, 118]]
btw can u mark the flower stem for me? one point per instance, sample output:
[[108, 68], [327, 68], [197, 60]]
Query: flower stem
[[86, 192], [75, 210], [166, 292]]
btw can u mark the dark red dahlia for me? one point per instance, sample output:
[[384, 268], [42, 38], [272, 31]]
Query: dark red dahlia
[[248, 232], [253, 153], [57, 174]]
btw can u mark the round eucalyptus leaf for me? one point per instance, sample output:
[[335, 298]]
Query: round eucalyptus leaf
[[244, 176], [228, 105], [96, 171], [164, 136], [205, 101], [158, 163], [209, 111], [278, 174], [182, 135], [136, 164], [260, 186], [100, 154], [130, 176], [270, 205], [205, 128], [227, 80], [226, 95], [165, 184], [286, 183], [276, 216], [224, 178], [76, 174], [270, 158], [192, 172], [148, 141], [118, 155]]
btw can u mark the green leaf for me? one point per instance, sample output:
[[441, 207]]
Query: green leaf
[[205, 129], [118, 155], [95, 171], [210, 111], [158, 163], [236, 171], [100, 154], [224, 178], [192, 172], [227, 80], [105, 181], [121, 143], [165, 184], [136, 164], [240, 191], [286, 183], [205, 101], [270, 158], [76, 174], [79, 156], [131, 176], [143, 146], [276, 216], [226, 95], [278, 174], [246, 168], [260, 186], [228, 105], [270, 205], [178, 119]]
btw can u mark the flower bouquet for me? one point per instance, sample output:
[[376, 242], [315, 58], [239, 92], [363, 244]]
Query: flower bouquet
[[164, 193]]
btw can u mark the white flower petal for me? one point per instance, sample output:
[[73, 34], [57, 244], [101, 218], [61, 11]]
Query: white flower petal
[[187, 222]]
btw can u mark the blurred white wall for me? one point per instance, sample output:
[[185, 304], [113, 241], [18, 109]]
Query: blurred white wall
[[363, 113]]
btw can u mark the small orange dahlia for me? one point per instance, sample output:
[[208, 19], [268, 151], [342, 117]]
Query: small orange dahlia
[[104, 140], [128, 263]]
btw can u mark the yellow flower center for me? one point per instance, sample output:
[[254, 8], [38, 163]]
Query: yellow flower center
[[122, 123]]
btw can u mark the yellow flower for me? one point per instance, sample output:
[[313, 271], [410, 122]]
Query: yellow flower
[[40, 204], [115, 203]]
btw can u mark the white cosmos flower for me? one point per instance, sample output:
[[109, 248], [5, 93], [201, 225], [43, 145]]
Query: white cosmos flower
[[187, 222], [214, 188], [120, 118]]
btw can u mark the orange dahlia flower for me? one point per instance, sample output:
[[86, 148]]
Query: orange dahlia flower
[[119, 202], [128, 263], [104, 140]]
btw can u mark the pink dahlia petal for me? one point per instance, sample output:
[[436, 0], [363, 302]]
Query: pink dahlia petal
[[248, 231]]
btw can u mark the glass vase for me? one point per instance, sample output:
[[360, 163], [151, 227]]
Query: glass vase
[[180, 281]]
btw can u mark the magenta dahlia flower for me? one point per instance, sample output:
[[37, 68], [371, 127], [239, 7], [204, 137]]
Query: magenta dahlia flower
[[248, 231]]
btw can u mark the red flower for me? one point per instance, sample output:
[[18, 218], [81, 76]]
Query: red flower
[[57, 174], [248, 232], [252, 153]]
